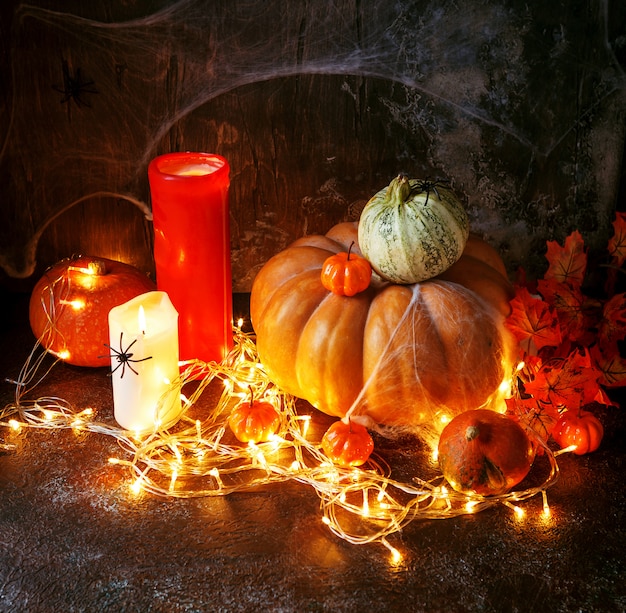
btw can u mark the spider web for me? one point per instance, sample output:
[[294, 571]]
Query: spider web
[[474, 83], [448, 353]]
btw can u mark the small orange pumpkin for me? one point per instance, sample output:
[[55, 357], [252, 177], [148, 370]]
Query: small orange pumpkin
[[484, 452], [346, 273], [347, 444], [254, 421], [70, 304], [580, 428]]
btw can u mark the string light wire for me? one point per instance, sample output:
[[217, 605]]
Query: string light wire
[[199, 457]]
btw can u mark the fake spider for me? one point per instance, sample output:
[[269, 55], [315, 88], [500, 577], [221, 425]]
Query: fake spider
[[428, 186], [123, 356], [74, 87]]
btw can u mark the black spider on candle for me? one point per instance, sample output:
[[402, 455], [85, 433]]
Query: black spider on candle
[[123, 356], [74, 87]]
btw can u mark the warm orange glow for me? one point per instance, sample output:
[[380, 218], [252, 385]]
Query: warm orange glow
[[396, 556], [141, 319], [77, 304]]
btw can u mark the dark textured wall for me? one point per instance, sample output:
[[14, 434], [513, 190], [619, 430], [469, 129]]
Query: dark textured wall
[[521, 105]]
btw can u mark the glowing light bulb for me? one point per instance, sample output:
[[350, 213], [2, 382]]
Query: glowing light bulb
[[173, 480], [179, 457], [306, 420], [396, 556], [505, 386], [135, 487], [216, 475], [519, 512], [365, 511], [15, 425], [565, 450], [77, 304]]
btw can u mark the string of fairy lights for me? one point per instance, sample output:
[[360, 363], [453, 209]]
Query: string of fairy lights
[[196, 457]]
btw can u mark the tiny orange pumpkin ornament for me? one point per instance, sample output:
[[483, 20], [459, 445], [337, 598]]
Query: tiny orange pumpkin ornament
[[69, 306], [579, 428], [346, 273], [347, 443], [484, 452], [254, 421]]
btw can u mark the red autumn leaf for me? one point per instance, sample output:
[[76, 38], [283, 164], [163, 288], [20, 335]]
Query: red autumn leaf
[[533, 416], [532, 321], [613, 325], [570, 382], [568, 302], [611, 365], [568, 264], [617, 243]]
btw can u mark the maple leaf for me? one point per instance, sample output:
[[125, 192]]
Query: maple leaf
[[570, 382], [617, 243], [568, 264], [612, 327], [612, 367], [535, 417], [569, 303], [533, 322]]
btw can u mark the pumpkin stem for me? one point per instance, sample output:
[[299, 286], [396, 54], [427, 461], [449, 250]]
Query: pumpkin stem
[[96, 267], [398, 191], [471, 433], [251, 395], [350, 250]]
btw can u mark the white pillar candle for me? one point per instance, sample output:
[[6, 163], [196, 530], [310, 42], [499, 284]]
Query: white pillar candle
[[143, 337]]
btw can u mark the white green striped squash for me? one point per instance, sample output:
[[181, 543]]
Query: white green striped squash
[[413, 230]]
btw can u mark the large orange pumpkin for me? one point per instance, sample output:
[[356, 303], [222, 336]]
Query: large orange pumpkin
[[70, 304], [401, 354]]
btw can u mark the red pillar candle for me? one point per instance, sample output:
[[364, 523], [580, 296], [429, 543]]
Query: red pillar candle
[[190, 210]]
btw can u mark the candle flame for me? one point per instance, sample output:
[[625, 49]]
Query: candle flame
[[141, 319]]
